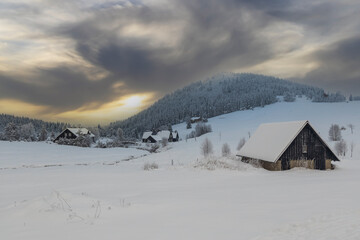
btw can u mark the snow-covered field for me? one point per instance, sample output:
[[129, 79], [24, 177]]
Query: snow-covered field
[[61, 192]]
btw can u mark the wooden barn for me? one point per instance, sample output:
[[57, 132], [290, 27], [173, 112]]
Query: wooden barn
[[72, 133], [285, 145]]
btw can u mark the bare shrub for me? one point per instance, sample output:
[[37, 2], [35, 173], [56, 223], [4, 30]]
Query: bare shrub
[[225, 150], [206, 148], [154, 147], [341, 148], [150, 166], [351, 126], [352, 146], [334, 133], [241, 144]]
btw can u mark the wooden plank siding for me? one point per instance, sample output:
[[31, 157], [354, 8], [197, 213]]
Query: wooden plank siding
[[307, 146]]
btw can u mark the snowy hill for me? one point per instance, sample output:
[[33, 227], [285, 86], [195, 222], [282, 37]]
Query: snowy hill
[[223, 93], [64, 192]]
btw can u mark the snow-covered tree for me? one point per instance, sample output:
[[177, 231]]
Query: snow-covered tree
[[351, 126], [164, 142], [120, 134], [27, 132], [289, 97], [334, 133], [43, 136], [11, 132], [225, 150], [341, 148]]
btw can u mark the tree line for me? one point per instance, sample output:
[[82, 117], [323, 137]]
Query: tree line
[[222, 93]]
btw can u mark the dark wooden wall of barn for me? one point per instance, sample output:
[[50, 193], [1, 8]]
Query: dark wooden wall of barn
[[311, 140]]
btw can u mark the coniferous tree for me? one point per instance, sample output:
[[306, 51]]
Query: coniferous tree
[[11, 132]]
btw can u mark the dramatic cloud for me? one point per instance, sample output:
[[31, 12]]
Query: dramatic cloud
[[60, 88], [338, 66], [84, 55]]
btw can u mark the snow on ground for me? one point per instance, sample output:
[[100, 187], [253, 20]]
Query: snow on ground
[[40, 154], [122, 201]]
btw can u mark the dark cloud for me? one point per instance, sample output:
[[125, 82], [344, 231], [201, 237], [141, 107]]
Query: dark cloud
[[324, 18], [181, 42], [215, 38], [338, 66], [60, 88]]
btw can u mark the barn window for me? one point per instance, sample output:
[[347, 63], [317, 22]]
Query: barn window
[[304, 148]]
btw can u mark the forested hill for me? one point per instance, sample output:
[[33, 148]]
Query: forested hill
[[223, 93], [50, 127]]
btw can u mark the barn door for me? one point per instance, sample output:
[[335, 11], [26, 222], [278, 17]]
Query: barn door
[[319, 157]]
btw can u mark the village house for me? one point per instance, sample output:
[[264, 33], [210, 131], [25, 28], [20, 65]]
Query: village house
[[285, 145], [195, 119], [153, 137], [73, 133]]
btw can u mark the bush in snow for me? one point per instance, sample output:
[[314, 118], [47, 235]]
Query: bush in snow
[[200, 129], [225, 150], [206, 148], [341, 148], [148, 166], [154, 147], [241, 144], [100, 144], [230, 163], [334, 133], [80, 141]]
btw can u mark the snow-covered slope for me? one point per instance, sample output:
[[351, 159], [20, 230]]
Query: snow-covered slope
[[110, 196]]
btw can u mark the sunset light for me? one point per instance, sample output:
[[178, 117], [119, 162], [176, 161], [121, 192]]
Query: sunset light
[[134, 101]]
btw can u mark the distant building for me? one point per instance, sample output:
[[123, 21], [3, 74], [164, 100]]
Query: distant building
[[146, 135], [285, 145], [73, 133], [153, 137], [195, 119]]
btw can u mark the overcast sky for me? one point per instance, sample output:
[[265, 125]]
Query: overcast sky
[[99, 60]]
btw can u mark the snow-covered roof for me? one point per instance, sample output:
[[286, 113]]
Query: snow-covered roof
[[82, 131], [270, 140], [195, 118], [163, 134], [146, 135]]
